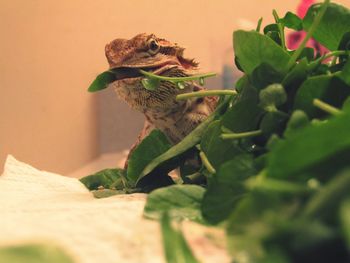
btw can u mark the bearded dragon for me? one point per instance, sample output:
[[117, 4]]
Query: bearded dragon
[[174, 118]]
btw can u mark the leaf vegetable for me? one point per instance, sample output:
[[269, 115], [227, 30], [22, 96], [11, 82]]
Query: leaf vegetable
[[275, 154]]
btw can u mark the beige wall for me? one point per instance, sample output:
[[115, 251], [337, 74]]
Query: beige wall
[[51, 50]]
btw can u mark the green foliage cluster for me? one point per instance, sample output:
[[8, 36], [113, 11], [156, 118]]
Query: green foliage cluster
[[274, 158], [34, 253]]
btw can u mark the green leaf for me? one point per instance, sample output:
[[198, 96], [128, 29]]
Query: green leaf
[[253, 49], [104, 193], [272, 31], [226, 188], [326, 88], [186, 144], [308, 53], [247, 229], [295, 76], [333, 25], [271, 27], [273, 122], [264, 75], [106, 178], [150, 83], [345, 42], [345, 220], [102, 81], [253, 205], [345, 45], [175, 246], [346, 105], [34, 253], [292, 21], [239, 67], [152, 146], [178, 201], [325, 203], [304, 239], [245, 114], [271, 143], [216, 149], [243, 83], [275, 36], [345, 74], [309, 147], [312, 88]]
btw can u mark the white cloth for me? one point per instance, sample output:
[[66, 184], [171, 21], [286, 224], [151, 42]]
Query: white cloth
[[40, 206]]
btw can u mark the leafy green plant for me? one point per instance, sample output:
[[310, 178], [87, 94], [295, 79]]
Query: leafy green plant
[[34, 253], [275, 155], [150, 81]]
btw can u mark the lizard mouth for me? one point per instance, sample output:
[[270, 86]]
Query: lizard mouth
[[134, 71], [131, 70]]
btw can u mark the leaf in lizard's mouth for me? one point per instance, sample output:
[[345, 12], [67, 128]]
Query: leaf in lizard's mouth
[[134, 72], [126, 73]]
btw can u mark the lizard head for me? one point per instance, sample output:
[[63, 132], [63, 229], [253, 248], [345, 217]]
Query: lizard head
[[146, 52], [150, 53]]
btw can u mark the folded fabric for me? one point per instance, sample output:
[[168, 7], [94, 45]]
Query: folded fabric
[[44, 207], [39, 207]]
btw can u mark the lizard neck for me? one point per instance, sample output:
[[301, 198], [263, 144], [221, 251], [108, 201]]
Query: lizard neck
[[169, 121]]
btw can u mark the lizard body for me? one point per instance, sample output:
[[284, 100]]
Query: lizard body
[[174, 118]]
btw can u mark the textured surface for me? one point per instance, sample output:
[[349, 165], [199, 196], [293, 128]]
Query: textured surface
[[175, 118], [41, 206]]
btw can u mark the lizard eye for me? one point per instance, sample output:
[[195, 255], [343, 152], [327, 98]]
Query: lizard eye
[[153, 46]]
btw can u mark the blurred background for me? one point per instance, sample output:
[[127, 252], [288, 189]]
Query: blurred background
[[50, 51]]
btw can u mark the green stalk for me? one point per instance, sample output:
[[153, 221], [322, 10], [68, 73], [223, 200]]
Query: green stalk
[[230, 136], [205, 93], [334, 61], [345, 220], [326, 107], [259, 25], [326, 200], [177, 79], [275, 185], [334, 54], [206, 163], [280, 28], [309, 34], [194, 177], [225, 130]]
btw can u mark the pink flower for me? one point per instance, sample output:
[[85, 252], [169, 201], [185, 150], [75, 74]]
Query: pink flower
[[295, 38], [303, 7]]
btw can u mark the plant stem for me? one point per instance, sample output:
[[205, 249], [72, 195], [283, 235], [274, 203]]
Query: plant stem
[[194, 177], [324, 202], [326, 107], [228, 136], [206, 163], [275, 185], [259, 25], [334, 54], [280, 28], [177, 79], [309, 34], [225, 130], [205, 93], [334, 61]]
